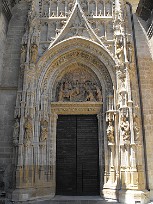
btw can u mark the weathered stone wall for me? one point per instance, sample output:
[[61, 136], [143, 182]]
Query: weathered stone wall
[[10, 46], [145, 66], [3, 31]]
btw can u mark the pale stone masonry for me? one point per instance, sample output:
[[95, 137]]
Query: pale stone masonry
[[75, 57]]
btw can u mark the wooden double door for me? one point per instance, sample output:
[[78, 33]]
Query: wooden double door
[[77, 157]]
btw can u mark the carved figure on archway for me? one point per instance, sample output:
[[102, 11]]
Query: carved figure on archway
[[110, 132], [125, 129], [28, 131]]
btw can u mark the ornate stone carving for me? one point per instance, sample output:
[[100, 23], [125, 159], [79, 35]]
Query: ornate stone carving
[[136, 127], [76, 86], [130, 52], [16, 132], [28, 131], [44, 131], [23, 54], [79, 92], [110, 132], [33, 53], [125, 129], [120, 51]]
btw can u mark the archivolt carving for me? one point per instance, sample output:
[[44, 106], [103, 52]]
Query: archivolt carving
[[84, 57]]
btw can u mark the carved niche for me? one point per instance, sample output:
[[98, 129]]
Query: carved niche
[[78, 85]]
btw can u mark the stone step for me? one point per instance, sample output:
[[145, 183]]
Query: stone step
[[76, 200]]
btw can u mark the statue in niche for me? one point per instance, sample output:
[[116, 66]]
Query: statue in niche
[[130, 52], [23, 54], [44, 131], [16, 132], [136, 127], [28, 131], [125, 129], [110, 132], [35, 36], [120, 51], [33, 53]]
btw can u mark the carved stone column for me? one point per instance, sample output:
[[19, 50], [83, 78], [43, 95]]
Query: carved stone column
[[101, 151], [54, 118]]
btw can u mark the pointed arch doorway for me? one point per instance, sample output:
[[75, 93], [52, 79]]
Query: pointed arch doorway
[[77, 130], [77, 155]]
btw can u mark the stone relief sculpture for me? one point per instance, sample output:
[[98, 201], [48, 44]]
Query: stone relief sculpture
[[110, 132], [125, 129], [76, 92], [28, 132]]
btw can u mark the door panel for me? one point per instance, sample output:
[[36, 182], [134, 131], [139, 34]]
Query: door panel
[[77, 155], [66, 156]]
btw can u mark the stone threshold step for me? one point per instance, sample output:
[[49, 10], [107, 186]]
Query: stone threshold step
[[76, 200]]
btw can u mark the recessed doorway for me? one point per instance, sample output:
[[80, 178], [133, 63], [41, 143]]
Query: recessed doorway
[[77, 155]]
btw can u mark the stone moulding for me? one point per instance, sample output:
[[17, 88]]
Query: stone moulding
[[65, 108]]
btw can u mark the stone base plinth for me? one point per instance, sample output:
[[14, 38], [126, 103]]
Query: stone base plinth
[[25, 195], [134, 196], [110, 194]]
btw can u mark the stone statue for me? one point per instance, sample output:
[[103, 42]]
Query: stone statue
[[28, 132], [120, 51], [34, 53], [23, 54], [130, 52], [98, 94], [136, 127], [35, 36], [110, 132], [44, 131], [90, 96], [125, 129], [16, 132]]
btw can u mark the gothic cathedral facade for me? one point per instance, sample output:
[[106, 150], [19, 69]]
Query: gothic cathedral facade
[[82, 103]]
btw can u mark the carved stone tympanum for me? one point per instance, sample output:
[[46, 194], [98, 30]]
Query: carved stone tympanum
[[78, 86]]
